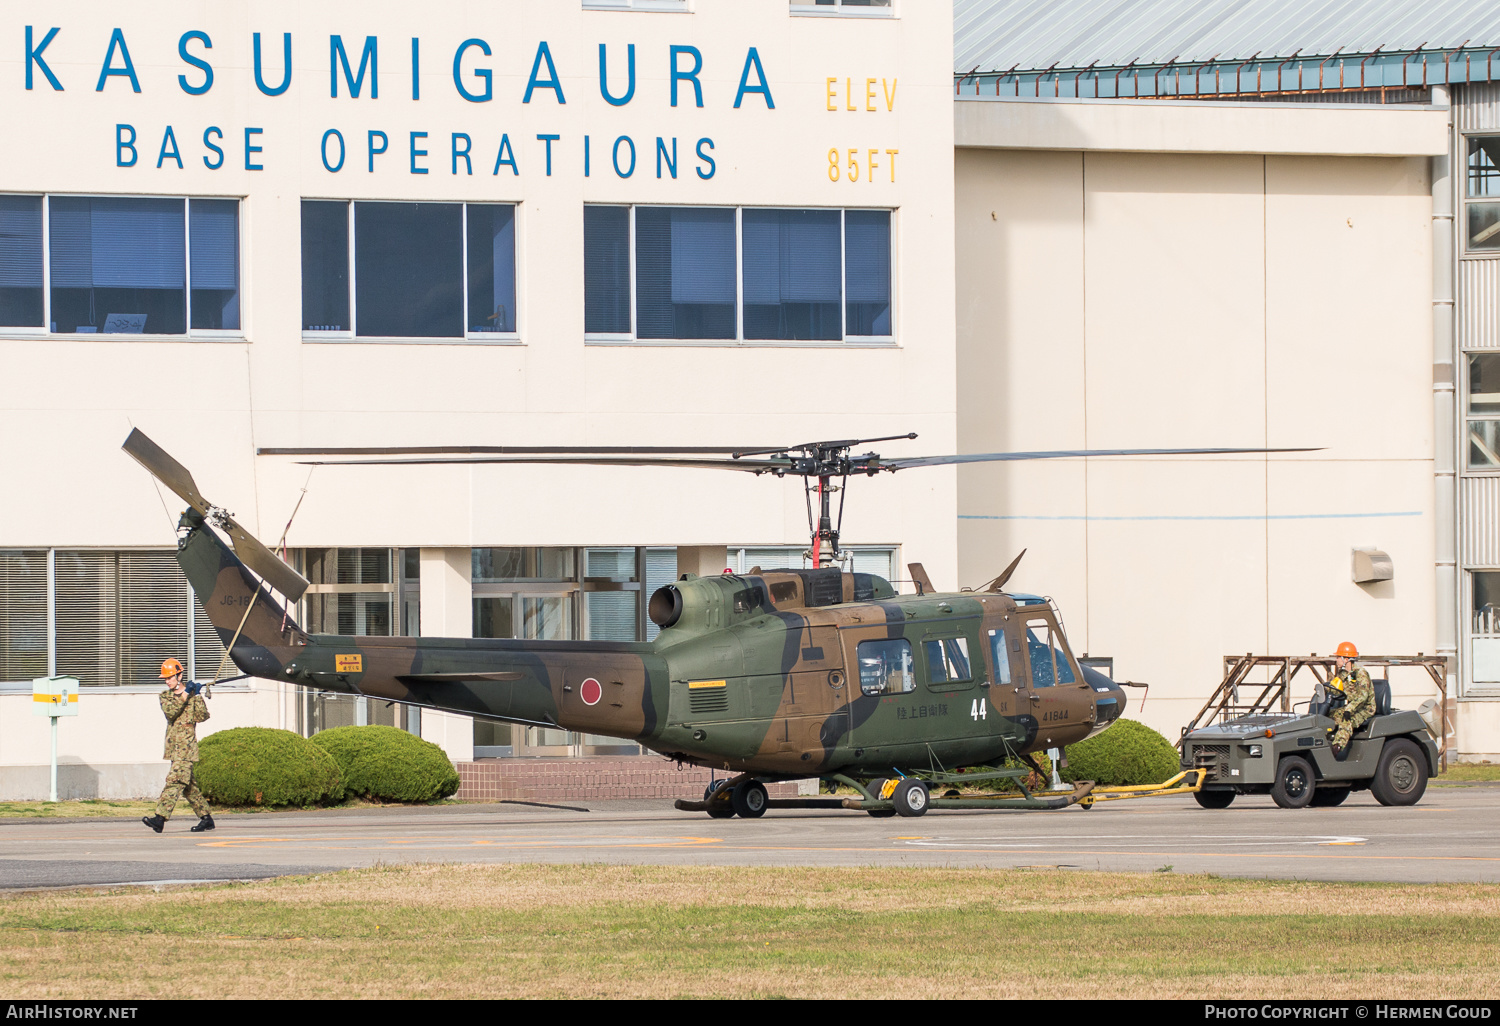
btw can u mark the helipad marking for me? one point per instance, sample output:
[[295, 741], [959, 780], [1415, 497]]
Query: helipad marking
[[374, 843], [1027, 843]]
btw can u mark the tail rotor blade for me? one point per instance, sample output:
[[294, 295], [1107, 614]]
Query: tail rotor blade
[[265, 562], [164, 468], [246, 546]]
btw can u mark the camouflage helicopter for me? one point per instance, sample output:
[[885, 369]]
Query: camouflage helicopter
[[774, 675]]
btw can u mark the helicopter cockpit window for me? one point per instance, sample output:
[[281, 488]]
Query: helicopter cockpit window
[[999, 657], [947, 660], [1049, 664], [885, 667]]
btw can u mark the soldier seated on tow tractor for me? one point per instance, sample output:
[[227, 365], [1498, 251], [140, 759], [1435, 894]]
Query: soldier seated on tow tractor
[[1351, 699]]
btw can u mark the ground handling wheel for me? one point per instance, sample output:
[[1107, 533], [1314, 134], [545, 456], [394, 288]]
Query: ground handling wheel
[[1213, 799], [910, 797], [748, 799], [1401, 775], [718, 807], [876, 786], [1295, 783]]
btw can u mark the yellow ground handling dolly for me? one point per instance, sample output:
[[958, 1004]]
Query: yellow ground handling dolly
[[876, 795]]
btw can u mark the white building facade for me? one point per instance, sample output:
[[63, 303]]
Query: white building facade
[[272, 226]]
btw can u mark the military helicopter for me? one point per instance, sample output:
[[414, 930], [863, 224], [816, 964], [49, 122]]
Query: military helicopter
[[773, 675]]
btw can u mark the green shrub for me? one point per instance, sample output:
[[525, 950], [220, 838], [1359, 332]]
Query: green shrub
[[1128, 752], [388, 763], [261, 766]]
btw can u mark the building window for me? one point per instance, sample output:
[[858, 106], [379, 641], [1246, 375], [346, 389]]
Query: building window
[[1483, 411], [23, 614], [721, 274], [857, 8], [680, 6], [1482, 196], [1484, 628], [119, 265], [108, 618], [358, 592], [409, 270], [877, 560], [529, 593]]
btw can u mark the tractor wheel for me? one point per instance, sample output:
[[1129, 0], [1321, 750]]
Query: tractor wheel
[[1401, 775], [910, 798], [748, 799], [1328, 797], [1213, 799], [1295, 783], [718, 808]]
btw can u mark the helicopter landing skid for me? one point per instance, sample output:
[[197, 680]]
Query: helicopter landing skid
[[1052, 800]]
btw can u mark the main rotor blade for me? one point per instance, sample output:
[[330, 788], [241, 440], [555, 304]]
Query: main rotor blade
[[505, 450], [750, 466], [1057, 454], [265, 562], [164, 468]]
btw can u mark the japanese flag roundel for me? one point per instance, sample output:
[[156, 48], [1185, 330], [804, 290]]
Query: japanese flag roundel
[[590, 691]]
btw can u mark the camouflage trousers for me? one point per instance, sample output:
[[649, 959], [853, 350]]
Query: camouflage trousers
[[180, 784], [1346, 723]]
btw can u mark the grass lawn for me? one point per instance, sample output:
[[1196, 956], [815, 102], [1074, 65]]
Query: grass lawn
[[644, 931], [1465, 772]]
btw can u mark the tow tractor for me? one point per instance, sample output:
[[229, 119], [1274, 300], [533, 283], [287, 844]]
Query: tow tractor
[[1286, 752]]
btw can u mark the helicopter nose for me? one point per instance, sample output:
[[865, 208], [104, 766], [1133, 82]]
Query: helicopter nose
[[1107, 707], [1109, 698]]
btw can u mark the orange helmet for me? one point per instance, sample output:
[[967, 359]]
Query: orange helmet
[[170, 669], [1347, 650]]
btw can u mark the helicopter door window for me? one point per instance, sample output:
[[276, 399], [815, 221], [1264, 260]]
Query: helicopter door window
[[885, 667], [1049, 664], [999, 657], [947, 660]]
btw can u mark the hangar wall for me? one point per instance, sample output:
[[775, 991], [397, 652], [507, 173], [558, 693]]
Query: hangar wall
[[1111, 299]]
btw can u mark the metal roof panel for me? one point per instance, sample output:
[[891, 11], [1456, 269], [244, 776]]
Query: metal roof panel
[[1034, 35]]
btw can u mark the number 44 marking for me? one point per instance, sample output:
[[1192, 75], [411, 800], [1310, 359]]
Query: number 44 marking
[[979, 710]]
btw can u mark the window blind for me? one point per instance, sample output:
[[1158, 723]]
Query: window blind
[[611, 615], [20, 242], [117, 243], [215, 237], [702, 266], [87, 617], [408, 270], [868, 245], [661, 570], [606, 270], [153, 614], [23, 614], [685, 272]]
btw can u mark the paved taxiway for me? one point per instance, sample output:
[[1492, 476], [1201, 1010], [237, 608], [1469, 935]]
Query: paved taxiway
[[1453, 835]]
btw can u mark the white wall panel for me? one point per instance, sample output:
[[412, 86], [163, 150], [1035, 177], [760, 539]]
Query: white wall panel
[[1479, 542], [1479, 304]]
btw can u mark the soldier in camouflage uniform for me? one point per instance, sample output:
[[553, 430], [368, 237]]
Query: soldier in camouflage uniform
[[184, 712], [1359, 698]]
